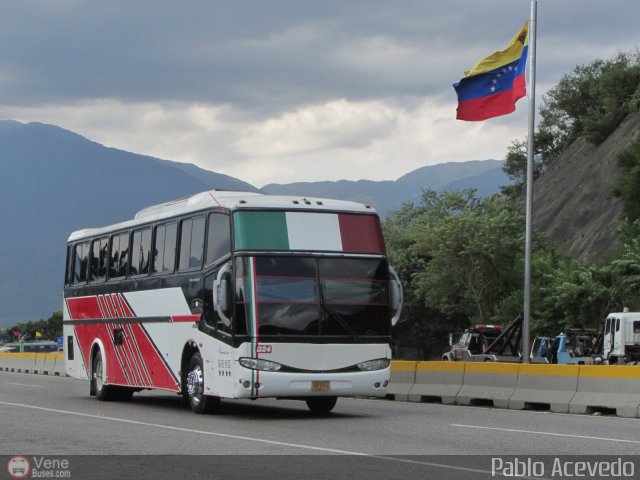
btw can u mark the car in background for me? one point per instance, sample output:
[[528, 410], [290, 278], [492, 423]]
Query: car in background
[[474, 341]]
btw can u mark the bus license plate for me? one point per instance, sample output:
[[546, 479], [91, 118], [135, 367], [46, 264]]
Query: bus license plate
[[320, 385]]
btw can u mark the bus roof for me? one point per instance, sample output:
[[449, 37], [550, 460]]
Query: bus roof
[[227, 199]]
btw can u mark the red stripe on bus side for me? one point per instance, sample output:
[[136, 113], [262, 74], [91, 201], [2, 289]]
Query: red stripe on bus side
[[113, 298], [256, 320], [157, 371], [82, 308], [142, 358], [185, 318], [131, 343]]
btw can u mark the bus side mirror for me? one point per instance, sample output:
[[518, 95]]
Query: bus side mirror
[[223, 294], [395, 294]]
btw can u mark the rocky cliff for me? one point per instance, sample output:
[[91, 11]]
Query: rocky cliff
[[573, 204]]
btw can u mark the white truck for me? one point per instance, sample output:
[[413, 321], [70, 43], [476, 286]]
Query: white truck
[[621, 338]]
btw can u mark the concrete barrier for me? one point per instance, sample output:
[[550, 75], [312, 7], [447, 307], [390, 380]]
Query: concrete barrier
[[29, 362], [438, 381], [50, 363], [8, 362], [611, 387], [548, 386], [17, 362], [58, 364], [39, 363], [488, 383], [403, 377]]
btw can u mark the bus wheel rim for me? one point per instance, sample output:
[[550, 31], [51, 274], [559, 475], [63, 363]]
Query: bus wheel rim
[[98, 374], [195, 384]]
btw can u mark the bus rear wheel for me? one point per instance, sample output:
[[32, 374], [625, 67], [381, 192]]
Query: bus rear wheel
[[103, 392], [198, 401], [321, 405]]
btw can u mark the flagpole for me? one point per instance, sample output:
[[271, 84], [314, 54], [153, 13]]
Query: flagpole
[[529, 203]]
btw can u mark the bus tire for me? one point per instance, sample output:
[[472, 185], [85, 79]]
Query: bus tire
[[321, 405], [124, 394], [103, 392], [198, 401]]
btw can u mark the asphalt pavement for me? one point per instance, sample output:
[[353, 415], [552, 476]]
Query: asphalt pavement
[[56, 418]]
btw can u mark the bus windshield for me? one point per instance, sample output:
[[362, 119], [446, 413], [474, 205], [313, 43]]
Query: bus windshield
[[284, 296]]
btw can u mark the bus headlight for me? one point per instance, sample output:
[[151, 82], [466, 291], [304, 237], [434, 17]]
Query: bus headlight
[[259, 364], [379, 364]]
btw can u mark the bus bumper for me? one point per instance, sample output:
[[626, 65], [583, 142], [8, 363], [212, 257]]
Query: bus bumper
[[263, 384]]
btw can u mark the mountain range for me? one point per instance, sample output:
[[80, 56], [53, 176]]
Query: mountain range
[[53, 181], [486, 176]]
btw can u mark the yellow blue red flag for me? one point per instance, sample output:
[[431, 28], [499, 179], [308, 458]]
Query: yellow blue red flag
[[494, 84]]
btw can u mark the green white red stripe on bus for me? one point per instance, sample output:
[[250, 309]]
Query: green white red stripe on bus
[[312, 231]]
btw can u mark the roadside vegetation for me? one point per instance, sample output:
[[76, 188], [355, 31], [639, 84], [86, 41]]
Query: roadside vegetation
[[49, 329], [461, 258]]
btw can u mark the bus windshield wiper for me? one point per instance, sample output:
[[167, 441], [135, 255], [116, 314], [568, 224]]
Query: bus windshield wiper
[[339, 318]]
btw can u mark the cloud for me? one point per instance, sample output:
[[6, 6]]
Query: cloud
[[336, 140], [338, 124], [283, 90]]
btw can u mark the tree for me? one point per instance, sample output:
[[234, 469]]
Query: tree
[[591, 101], [458, 257], [628, 185], [515, 166], [475, 257], [424, 329], [49, 329], [567, 294]]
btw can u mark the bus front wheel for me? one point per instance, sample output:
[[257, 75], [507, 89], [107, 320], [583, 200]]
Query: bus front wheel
[[198, 401], [320, 405]]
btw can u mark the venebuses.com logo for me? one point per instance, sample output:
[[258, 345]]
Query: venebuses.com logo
[[18, 467]]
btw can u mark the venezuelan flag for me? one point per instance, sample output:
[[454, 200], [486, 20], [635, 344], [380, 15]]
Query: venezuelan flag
[[494, 84]]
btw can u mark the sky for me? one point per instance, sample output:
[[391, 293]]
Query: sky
[[281, 91]]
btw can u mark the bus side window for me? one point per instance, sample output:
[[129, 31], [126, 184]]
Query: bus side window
[[123, 261], [119, 256], [169, 258], [99, 254], [158, 249], [140, 251], [81, 263], [68, 277], [191, 243], [164, 250], [114, 256], [218, 237]]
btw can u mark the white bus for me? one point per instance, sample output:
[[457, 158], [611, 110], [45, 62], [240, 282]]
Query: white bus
[[233, 295]]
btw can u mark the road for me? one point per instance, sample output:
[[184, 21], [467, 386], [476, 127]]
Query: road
[[44, 415]]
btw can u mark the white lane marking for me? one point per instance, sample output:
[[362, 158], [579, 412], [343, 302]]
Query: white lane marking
[[250, 439], [533, 432], [180, 429], [25, 385]]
